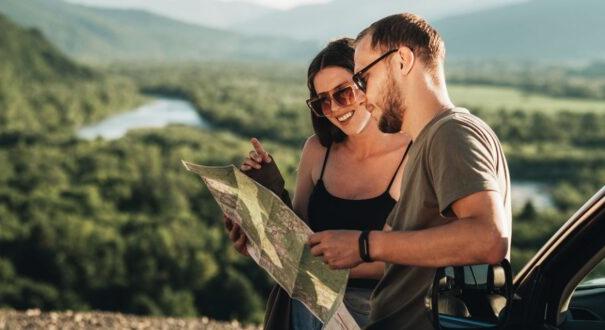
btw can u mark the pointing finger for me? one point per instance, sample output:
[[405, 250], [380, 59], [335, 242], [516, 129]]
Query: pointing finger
[[260, 150]]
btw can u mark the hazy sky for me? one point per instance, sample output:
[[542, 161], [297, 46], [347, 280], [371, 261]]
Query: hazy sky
[[281, 4]]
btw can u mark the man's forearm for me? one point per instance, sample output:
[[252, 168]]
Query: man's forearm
[[461, 242], [373, 270]]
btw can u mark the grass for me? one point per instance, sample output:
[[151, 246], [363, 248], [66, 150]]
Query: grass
[[497, 98]]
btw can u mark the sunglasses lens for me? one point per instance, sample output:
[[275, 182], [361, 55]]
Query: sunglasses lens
[[320, 106], [360, 82], [326, 106], [345, 96]]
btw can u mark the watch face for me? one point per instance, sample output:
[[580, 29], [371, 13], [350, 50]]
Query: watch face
[[364, 246]]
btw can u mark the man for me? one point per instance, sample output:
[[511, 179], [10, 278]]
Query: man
[[454, 207]]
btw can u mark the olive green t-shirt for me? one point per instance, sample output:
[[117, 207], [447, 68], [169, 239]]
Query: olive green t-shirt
[[455, 155]]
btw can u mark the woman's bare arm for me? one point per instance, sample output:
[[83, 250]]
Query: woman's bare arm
[[311, 152]]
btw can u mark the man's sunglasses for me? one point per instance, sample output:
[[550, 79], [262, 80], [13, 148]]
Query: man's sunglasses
[[359, 78], [344, 96]]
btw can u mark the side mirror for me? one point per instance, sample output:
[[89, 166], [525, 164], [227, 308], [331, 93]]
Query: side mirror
[[470, 297]]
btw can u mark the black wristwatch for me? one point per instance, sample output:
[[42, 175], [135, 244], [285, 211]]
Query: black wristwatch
[[364, 246]]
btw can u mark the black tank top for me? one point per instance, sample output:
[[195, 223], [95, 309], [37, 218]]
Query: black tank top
[[326, 211]]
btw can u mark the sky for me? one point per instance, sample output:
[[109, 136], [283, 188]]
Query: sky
[[278, 4], [282, 4]]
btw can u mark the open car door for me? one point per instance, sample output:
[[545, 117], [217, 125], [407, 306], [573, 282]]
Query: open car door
[[548, 293]]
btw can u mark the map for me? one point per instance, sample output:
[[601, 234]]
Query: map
[[277, 242]]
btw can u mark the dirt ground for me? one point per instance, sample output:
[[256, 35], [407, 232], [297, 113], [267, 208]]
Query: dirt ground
[[36, 319]]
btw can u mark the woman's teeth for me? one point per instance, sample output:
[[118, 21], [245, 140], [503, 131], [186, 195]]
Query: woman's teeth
[[345, 116]]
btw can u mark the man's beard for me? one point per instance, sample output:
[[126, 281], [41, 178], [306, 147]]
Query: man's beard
[[391, 119]]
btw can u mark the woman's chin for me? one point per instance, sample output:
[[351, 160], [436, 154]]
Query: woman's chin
[[356, 125]]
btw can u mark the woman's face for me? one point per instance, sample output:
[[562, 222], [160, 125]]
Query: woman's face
[[351, 119]]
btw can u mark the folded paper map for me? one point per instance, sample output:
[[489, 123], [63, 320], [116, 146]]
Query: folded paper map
[[277, 242]]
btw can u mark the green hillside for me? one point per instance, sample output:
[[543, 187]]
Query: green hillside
[[96, 34], [43, 91], [104, 225], [536, 30], [30, 54]]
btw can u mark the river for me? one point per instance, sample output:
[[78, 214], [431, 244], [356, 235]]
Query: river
[[164, 111], [158, 113]]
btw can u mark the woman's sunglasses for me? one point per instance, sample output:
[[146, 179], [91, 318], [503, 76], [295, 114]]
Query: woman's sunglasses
[[344, 96]]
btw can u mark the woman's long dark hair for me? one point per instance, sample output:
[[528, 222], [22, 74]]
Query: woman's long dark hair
[[337, 53]]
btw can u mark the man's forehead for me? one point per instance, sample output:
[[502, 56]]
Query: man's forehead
[[364, 54]]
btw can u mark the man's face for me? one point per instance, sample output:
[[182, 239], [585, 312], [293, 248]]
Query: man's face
[[383, 98]]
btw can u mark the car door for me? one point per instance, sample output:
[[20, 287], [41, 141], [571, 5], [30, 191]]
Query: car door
[[546, 290], [552, 291]]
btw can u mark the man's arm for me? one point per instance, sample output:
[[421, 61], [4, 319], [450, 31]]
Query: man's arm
[[477, 235], [371, 270]]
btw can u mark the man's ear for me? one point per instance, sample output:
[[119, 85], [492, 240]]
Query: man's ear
[[405, 57]]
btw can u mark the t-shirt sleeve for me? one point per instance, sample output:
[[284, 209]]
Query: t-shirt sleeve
[[461, 162]]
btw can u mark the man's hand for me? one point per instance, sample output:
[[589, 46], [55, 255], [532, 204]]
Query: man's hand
[[339, 248]]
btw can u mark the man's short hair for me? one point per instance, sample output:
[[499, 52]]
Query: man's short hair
[[407, 30]]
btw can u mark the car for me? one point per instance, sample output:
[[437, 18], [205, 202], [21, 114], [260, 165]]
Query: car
[[554, 290]]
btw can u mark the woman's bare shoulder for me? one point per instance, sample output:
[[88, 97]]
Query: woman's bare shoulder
[[313, 148], [312, 155]]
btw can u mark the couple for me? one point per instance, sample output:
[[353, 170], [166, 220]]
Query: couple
[[389, 210]]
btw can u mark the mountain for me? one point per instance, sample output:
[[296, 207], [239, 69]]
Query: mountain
[[347, 17], [26, 54], [95, 34], [535, 30], [43, 91], [212, 13], [489, 29]]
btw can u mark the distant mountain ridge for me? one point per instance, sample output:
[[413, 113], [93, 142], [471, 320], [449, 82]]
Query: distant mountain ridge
[[109, 34], [347, 17], [536, 30], [520, 30], [533, 30], [211, 13]]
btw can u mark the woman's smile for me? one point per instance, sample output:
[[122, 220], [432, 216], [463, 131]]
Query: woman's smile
[[345, 117]]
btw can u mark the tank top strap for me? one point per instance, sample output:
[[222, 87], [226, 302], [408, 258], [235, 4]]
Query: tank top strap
[[323, 168], [398, 166]]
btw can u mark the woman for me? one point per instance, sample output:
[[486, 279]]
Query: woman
[[349, 174]]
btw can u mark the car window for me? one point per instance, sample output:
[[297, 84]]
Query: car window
[[588, 300], [595, 278]]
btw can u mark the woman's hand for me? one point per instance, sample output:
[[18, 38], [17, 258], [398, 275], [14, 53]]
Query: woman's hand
[[237, 236], [256, 157]]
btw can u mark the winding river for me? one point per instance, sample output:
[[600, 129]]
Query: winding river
[[158, 113], [164, 111]]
